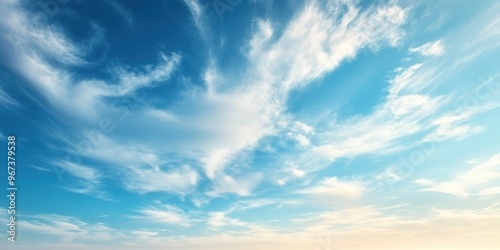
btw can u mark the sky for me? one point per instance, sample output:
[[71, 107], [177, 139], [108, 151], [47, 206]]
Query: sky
[[252, 124]]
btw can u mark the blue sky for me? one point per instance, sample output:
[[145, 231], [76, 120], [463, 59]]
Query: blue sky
[[252, 124]]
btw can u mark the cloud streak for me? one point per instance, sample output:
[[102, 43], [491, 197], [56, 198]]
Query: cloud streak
[[478, 180], [429, 49]]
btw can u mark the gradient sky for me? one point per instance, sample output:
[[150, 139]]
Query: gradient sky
[[239, 124]]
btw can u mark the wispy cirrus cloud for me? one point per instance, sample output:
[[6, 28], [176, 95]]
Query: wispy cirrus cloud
[[181, 180], [334, 190], [480, 180], [403, 113], [169, 215], [220, 219], [122, 11], [199, 17], [70, 229], [35, 46], [141, 169], [383, 222], [239, 185], [84, 179], [31, 39], [6, 100], [339, 226], [429, 49], [322, 39]]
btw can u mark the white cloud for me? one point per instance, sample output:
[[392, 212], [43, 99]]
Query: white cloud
[[85, 180], [481, 179], [459, 122], [141, 169], [27, 35], [96, 144], [130, 81], [241, 185], [151, 236], [354, 218], [6, 100], [169, 215], [251, 203], [181, 180], [199, 17], [489, 192], [86, 96], [381, 227], [223, 218], [220, 219], [70, 229], [321, 38], [304, 127], [390, 174], [408, 116], [450, 126], [297, 172], [407, 111], [32, 44], [400, 115], [141, 233], [332, 189], [290, 173], [79, 171], [435, 48], [300, 138], [237, 116], [216, 160], [122, 11], [232, 128], [437, 227]]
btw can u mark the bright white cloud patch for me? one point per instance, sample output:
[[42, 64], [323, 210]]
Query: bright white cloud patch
[[482, 179], [429, 49], [169, 215], [334, 190], [68, 229]]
